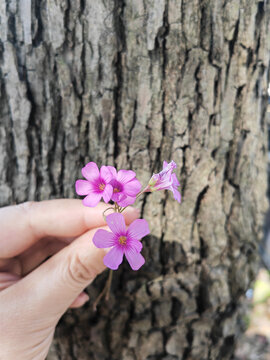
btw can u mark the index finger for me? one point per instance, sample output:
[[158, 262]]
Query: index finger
[[22, 225]]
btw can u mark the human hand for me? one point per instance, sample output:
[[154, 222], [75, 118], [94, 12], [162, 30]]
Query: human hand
[[35, 293]]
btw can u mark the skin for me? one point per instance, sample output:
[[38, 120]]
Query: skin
[[47, 259]]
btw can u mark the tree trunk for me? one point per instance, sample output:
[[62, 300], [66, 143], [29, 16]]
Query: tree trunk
[[130, 84]]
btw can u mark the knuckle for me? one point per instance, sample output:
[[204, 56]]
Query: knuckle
[[27, 206], [79, 271]]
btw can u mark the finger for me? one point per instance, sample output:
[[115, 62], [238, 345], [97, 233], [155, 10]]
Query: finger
[[80, 300], [47, 292], [58, 218], [7, 279], [7, 284], [12, 266], [39, 252]]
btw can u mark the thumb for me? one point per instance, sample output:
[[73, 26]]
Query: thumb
[[48, 291]]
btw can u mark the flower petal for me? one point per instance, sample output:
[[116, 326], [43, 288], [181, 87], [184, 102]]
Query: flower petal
[[172, 165], [105, 174], [113, 171], [165, 164], [90, 171], [103, 239], [114, 258], [92, 199], [164, 184], [138, 229], [175, 180], [124, 200], [107, 193], [83, 187], [176, 194], [116, 223], [132, 188], [135, 259], [135, 244], [125, 176], [116, 197]]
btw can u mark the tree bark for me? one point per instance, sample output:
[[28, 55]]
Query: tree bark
[[130, 84]]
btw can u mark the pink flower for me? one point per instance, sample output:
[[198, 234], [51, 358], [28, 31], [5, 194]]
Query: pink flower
[[96, 185], [165, 179], [122, 240], [125, 186]]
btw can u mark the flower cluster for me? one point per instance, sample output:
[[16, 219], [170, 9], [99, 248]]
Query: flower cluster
[[123, 188]]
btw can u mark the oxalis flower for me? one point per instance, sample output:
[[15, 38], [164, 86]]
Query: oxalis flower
[[122, 240], [125, 186], [165, 180], [96, 185]]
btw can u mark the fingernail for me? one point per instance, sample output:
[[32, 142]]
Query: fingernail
[[83, 298], [134, 209], [138, 211]]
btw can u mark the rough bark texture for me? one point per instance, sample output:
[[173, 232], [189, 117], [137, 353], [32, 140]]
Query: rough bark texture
[[130, 83]]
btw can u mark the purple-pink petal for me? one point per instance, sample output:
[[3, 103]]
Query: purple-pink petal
[[138, 229], [114, 258], [90, 171], [113, 171], [167, 170], [105, 174], [164, 183], [135, 244], [132, 188], [83, 187], [176, 194], [165, 179], [135, 259], [107, 193], [165, 164], [116, 197], [175, 180], [125, 176], [103, 239], [92, 199], [169, 167], [116, 223], [124, 200]]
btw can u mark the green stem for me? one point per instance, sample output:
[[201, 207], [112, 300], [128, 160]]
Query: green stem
[[105, 292], [140, 193], [110, 208], [109, 283]]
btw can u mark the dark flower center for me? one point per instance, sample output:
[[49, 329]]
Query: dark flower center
[[122, 240], [117, 186]]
